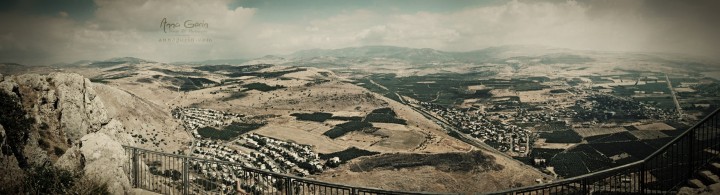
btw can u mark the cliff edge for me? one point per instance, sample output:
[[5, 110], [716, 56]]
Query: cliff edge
[[58, 120]]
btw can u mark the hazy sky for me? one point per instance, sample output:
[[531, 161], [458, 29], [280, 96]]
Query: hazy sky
[[53, 31]]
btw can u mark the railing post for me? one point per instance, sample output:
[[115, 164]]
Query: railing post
[[691, 137], [642, 177], [354, 191], [289, 187], [186, 176], [135, 168]]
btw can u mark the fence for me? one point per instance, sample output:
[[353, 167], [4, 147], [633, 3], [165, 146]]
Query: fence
[[660, 173], [178, 174]]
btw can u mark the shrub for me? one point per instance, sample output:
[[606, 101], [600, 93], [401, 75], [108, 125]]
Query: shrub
[[315, 116], [47, 179], [58, 151], [17, 127]]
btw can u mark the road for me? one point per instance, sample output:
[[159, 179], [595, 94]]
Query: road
[[674, 96]]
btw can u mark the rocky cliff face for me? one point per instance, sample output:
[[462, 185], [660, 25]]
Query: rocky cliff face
[[68, 126]]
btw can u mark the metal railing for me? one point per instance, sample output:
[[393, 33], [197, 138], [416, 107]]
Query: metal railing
[[178, 174], [663, 172]]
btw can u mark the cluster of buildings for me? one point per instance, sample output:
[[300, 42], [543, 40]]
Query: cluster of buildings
[[251, 150], [281, 156], [262, 153], [603, 107], [224, 175], [194, 118], [248, 150], [488, 127]]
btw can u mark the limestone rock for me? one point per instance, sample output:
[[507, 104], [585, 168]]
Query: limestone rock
[[114, 129], [81, 112], [64, 106], [2, 136], [72, 160], [7, 86], [104, 160]]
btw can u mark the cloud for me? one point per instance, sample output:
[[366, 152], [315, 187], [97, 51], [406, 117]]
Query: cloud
[[121, 28], [132, 28]]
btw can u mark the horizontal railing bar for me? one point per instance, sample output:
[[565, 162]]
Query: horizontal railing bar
[[618, 168], [575, 179], [682, 135], [280, 175]]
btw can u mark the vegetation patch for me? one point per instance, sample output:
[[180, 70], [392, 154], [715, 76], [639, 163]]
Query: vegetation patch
[[474, 161], [190, 83], [228, 133], [558, 91], [348, 154], [274, 74], [346, 118], [122, 69], [233, 69], [234, 96], [384, 115], [105, 78], [565, 59], [315, 116], [47, 179], [106, 64], [342, 129], [176, 73], [261, 87], [144, 80], [17, 127]]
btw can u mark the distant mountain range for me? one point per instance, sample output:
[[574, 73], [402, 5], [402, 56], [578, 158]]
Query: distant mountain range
[[401, 53], [425, 55], [502, 54]]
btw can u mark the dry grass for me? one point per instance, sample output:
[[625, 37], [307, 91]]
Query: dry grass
[[588, 132], [655, 127]]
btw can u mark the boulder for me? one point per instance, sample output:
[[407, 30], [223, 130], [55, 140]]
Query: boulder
[[7, 86], [115, 130], [82, 113], [72, 160], [104, 161]]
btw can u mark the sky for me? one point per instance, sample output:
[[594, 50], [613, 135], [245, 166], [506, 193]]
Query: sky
[[43, 32]]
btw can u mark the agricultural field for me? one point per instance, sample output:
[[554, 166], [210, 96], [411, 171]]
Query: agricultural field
[[658, 126], [589, 132], [647, 134]]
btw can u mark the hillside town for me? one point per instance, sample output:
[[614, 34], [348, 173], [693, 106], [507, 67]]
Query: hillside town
[[255, 151], [488, 127], [195, 118]]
